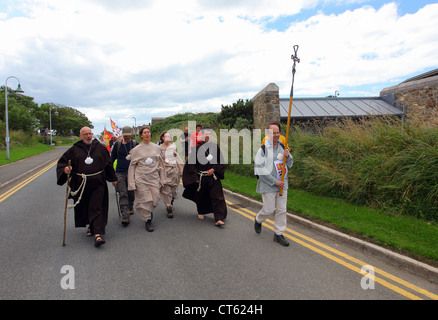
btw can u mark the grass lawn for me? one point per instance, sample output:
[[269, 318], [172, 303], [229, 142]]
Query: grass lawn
[[18, 153], [408, 234]]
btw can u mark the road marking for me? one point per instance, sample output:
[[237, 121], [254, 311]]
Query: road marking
[[10, 192], [250, 215]]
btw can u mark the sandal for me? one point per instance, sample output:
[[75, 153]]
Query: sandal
[[219, 223], [98, 240], [89, 234], [201, 217]]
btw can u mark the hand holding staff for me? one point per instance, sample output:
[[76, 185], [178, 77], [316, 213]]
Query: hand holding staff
[[66, 201], [295, 60]]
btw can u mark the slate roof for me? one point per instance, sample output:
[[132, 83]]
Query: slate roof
[[310, 108], [429, 74]]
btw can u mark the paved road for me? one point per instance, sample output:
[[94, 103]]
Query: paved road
[[184, 258], [21, 169]]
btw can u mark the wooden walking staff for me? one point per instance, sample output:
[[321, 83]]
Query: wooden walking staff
[[295, 60], [66, 204], [117, 201]]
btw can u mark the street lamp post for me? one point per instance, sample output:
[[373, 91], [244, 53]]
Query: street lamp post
[[135, 126], [50, 117], [18, 90]]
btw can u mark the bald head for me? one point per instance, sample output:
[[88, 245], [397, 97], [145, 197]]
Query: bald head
[[274, 134], [86, 135]]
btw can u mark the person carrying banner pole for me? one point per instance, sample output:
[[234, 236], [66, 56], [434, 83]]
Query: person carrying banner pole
[[268, 164], [295, 60]]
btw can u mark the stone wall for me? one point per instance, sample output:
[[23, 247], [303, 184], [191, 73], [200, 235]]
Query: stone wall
[[417, 97], [156, 120], [266, 106]]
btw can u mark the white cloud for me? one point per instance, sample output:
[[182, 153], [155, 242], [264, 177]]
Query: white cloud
[[146, 58], [364, 46]]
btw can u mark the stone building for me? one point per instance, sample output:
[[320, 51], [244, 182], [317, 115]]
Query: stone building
[[418, 96], [266, 106], [155, 120], [269, 107]]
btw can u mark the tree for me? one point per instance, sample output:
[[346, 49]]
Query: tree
[[65, 120], [24, 114], [20, 110], [237, 115]]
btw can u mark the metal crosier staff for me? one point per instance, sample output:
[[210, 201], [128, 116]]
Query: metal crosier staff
[[295, 60], [18, 90]]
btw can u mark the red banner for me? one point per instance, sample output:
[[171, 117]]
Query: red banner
[[107, 137]]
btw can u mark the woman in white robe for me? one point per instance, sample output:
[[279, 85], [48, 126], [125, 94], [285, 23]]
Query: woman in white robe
[[145, 176], [173, 166]]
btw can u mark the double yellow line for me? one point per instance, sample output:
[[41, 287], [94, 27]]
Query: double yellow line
[[311, 244], [343, 259], [10, 192]]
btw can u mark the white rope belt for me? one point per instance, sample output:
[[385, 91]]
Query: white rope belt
[[201, 174], [81, 187]]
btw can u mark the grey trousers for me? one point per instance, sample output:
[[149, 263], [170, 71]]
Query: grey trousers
[[274, 205], [126, 198]]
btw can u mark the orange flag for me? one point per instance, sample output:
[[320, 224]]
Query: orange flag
[[107, 137]]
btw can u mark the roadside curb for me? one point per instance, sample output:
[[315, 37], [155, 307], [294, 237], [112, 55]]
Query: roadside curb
[[3, 185], [406, 263], [28, 172]]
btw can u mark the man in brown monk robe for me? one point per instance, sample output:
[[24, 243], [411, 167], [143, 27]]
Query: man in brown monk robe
[[202, 177], [91, 168]]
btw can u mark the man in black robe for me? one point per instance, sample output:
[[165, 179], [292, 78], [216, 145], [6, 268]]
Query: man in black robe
[[91, 167], [201, 179]]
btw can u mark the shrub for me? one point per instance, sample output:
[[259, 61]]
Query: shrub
[[374, 162]]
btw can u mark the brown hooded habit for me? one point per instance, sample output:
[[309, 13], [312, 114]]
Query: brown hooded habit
[[205, 191], [92, 198]]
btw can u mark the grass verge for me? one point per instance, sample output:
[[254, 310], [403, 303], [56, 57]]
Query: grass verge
[[20, 152], [404, 234]]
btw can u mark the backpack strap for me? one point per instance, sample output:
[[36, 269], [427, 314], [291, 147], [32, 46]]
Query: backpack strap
[[264, 153], [133, 143], [264, 147], [118, 148]]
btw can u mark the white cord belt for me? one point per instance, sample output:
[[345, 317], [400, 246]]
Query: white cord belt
[[201, 174], [81, 187]]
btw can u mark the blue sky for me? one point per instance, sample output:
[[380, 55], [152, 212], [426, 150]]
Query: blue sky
[[328, 8], [282, 23], [154, 58]]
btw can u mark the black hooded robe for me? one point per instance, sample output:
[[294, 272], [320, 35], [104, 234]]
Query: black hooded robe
[[210, 198], [93, 206]]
